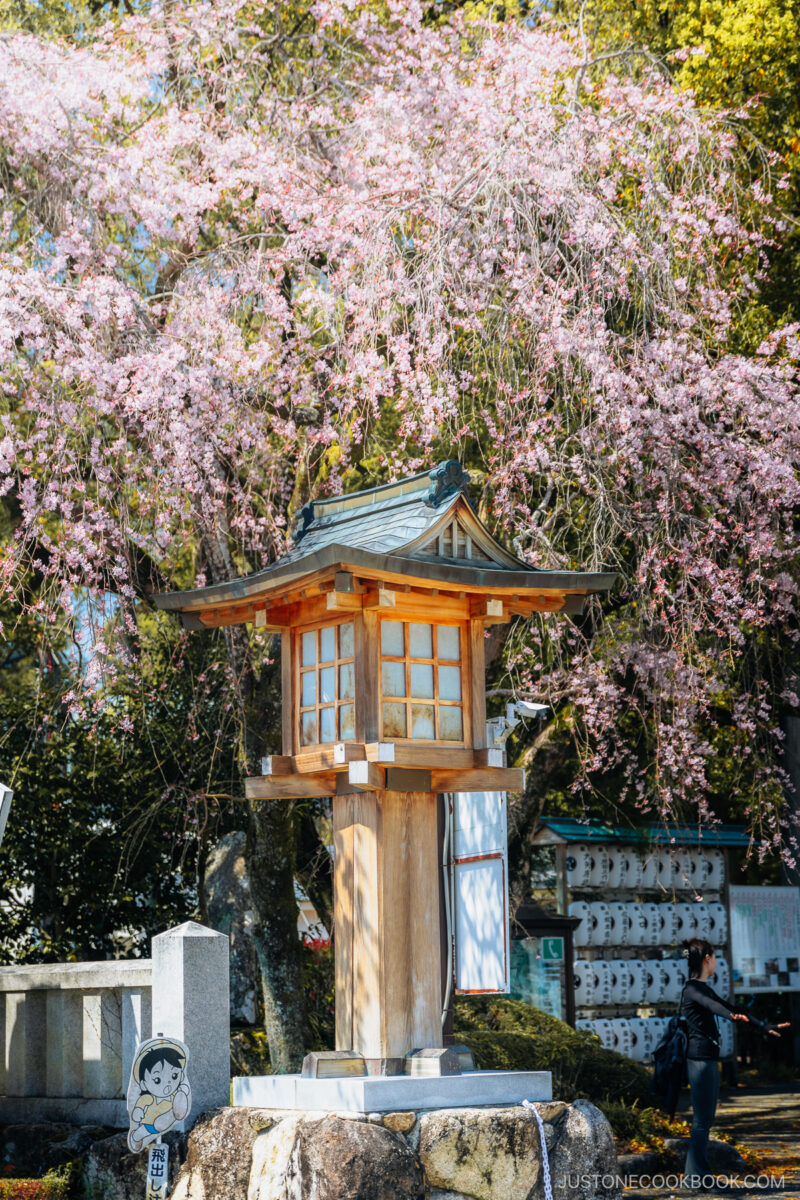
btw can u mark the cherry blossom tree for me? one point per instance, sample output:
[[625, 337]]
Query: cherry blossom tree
[[250, 256]]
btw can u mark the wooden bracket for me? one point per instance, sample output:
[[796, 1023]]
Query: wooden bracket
[[366, 776], [380, 598], [343, 602], [489, 610]]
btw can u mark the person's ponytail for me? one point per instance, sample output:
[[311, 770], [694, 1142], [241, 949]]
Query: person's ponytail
[[697, 949]]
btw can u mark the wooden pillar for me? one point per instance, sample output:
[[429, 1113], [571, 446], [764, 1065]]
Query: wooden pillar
[[386, 923]]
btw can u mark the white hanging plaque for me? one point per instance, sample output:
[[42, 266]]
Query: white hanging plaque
[[157, 1172]]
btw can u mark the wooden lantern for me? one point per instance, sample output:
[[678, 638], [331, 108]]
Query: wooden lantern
[[382, 607]]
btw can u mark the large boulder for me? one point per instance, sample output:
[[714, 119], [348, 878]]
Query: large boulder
[[230, 911], [333, 1158], [218, 1155], [487, 1153], [583, 1165]]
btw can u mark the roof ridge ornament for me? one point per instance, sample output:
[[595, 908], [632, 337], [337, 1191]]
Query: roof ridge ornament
[[447, 479]]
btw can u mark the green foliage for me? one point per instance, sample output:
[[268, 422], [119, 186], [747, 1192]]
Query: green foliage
[[111, 814], [508, 1035]]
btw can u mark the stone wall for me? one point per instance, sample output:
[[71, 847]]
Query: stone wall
[[448, 1154]]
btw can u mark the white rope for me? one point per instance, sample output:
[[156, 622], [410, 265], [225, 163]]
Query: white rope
[[548, 1190]]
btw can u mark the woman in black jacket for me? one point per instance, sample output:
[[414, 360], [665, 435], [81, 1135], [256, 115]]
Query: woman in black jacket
[[700, 1007]]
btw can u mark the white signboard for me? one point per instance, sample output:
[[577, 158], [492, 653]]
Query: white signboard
[[159, 1095], [480, 886], [5, 807], [765, 938]]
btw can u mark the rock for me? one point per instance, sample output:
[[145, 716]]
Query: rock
[[332, 1158], [646, 1162], [229, 908], [722, 1156], [111, 1172], [486, 1153], [40, 1146], [218, 1155], [583, 1165], [400, 1122]]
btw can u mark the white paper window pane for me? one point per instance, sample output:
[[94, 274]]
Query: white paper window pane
[[327, 685], [327, 725], [450, 724], [308, 731], [347, 721], [346, 640], [392, 638], [327, 644], [479, 823], [308, 688], [422, 721], [393, 679], [347, 683], [309, 651], [420, 641], [480, 926], [449, 683], [448, 642], [422, 681], [394, 720]]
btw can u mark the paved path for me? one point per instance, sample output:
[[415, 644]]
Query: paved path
[[766, 1120]]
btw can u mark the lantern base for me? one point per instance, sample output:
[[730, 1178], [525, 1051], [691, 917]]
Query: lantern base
[[391, 1093]]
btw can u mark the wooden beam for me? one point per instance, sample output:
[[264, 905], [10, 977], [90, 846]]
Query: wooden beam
[[488, 609], [287, 692], [477, 684], [327, 758], [289, 787], [479, 779], [406, 754]]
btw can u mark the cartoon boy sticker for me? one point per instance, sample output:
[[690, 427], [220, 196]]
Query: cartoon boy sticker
[[159, 1094]]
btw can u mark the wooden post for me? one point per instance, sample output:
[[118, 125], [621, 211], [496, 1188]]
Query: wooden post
[[386, 922]]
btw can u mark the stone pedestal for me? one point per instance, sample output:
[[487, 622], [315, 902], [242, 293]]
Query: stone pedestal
[[387, 1093]]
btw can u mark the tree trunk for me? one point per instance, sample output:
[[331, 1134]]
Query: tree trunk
[[271, 843]]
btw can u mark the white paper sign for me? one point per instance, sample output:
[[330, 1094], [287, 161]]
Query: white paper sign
[[480, 873]]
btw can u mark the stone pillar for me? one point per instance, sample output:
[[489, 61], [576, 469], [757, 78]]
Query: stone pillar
[[386, 922], [191, 1002], [26, 1043], [136, 1026], [102, 1041], [65, 1043]]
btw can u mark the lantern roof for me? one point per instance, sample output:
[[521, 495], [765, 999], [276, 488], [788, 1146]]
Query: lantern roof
[[420, 532]]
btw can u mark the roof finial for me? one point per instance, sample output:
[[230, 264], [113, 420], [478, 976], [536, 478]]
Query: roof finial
[[447, 479]]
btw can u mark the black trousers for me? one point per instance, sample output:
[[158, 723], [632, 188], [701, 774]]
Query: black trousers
[[703, 1075]]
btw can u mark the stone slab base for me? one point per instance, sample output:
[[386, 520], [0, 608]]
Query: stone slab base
[[19, 1110], [388, 1093]]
